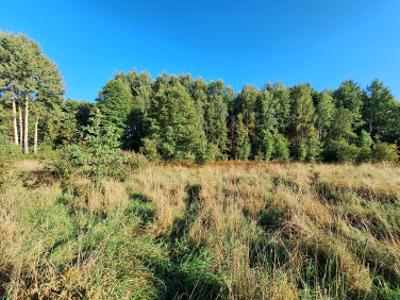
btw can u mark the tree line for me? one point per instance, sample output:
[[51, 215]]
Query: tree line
[[182, 118]]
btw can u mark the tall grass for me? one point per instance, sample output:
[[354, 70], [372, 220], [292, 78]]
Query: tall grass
[[220, 231]]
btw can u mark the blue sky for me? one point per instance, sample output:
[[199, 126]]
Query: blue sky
[[241, 42]]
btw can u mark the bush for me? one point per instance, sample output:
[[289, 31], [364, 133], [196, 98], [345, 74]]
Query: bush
[[135, 160], [281, 151], [206, 152], [8, 153], [149, 149], [384, 152], [341, 151]]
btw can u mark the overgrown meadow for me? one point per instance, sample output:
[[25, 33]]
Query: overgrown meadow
[[227, 230]]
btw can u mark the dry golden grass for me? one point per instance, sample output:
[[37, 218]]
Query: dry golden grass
[[270, 231]]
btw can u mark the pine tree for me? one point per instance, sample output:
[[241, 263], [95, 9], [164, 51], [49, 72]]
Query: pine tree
[[378, 110], [115, 104]]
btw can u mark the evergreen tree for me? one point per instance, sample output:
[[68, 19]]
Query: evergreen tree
[[242, 148], [31, 78], [175, 125], [379, 111], [115, 104], [304, 139]]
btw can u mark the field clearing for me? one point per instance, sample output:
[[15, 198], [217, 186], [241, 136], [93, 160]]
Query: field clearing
[[226, 230]]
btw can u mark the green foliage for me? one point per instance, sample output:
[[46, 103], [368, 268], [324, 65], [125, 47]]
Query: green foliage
[[384, 152], [4, 121], [175, 124], [181, 118], [341, 151], [281, 148], [115, 104], [26, 73], [8, 153], [265, 124], [281, 107], [242, 146], [149, 149], [304, 139], [215, 115], [99, 155], [350, 96], [325, 112], [379, 110], [135, 160]]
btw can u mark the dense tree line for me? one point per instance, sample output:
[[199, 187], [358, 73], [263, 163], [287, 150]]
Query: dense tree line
[[182, 118], [178, 117]]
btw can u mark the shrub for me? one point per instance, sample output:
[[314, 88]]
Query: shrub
[[341, 151], [384, 152], [135, 160], [8, 152], [281, 151], [98, 156], [206, 152], [149, 149]]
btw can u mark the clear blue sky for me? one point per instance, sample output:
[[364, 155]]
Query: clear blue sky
[[241, 42]]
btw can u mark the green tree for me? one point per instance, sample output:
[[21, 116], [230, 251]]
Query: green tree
[[379, 110], [115, 104], [141, 89], [215, 117], [365, 143], [265, 124], [100, 154], [242, 148], [304, 139], [281, 147], [281, 100], [325, 112], [31, 78], [174, 123], [350, 96]]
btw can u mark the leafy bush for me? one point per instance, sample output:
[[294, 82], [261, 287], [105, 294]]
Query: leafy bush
[[135, 160], [384, 152], [149, 149], [281, 151], [341, 151], [98, 156]]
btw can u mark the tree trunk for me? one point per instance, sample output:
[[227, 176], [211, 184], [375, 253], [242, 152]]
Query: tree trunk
[[21, 128], [14, 109], [26, 127], [35, 144]]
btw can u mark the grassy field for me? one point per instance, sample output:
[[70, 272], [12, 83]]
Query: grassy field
[[220, 231]]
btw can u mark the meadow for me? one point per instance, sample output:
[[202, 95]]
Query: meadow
[[224, 230]]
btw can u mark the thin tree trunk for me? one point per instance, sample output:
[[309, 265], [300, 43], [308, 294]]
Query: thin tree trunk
[[21, 127], [14, 109], [35, 144], [26, 127]]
